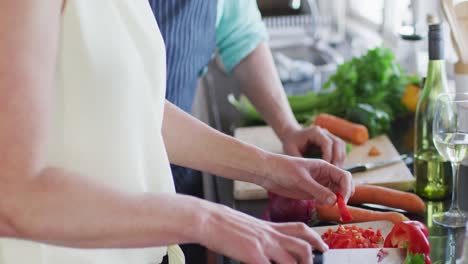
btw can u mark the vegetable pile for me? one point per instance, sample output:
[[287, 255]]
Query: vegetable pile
[[411, 235], [282, 209], [352, 237], [366, 90]]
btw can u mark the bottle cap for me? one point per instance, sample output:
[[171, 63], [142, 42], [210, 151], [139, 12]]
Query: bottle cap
[[431, 19], [436, 42]]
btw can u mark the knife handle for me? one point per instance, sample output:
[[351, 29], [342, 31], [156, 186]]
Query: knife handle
[[355, 169], [318, 257]]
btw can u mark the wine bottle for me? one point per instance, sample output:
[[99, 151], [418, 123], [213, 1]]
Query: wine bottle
[[464, 258], [431, 170]]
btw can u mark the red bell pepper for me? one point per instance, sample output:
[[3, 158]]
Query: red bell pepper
[[344, 213], [411, 235]]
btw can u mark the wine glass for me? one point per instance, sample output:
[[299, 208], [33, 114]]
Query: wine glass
[[450, 135]]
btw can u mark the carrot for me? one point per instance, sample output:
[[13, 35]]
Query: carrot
[[374, 151], [353, 132], [385, 196], [328, 213]]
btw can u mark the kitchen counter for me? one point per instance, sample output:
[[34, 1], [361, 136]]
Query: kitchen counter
[[446, 243]]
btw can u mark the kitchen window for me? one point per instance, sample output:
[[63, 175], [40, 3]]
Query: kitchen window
[[372, 14]]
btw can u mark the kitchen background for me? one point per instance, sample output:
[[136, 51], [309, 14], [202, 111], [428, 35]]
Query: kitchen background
[[309, 39]]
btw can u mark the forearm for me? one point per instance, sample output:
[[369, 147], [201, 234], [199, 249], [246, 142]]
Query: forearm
[[62, 208], [193, 144], [259, 81]]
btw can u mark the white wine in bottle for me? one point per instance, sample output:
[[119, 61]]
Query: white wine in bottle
[[431, 170]]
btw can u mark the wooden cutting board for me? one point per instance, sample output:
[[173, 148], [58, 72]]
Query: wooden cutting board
[[396, 176]]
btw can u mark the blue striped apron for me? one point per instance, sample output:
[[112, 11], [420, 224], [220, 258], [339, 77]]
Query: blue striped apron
[[188, 29]]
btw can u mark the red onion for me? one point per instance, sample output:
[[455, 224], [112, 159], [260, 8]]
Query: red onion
[[282, 209]]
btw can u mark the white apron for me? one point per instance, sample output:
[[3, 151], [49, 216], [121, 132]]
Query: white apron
[[108, 111]]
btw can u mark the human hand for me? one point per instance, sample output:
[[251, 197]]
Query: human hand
[[251, 240], [296, 142], [300, 178]]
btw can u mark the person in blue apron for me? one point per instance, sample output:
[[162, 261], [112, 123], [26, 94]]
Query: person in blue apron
[[192, 31]]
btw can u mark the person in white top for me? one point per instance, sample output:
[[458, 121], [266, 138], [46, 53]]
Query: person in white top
[[84, 130]]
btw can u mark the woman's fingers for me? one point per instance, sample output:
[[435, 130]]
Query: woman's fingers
[[336, 179], [345, 184], [251, 240], [322, 181], [282, 254], [283, 244], [321, 138], [302, 231], [301, 250], [339, 150], [321, 193], [255, 254], [333, 148]]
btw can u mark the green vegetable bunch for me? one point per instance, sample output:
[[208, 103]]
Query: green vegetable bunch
[[374, 79], [366, 90]]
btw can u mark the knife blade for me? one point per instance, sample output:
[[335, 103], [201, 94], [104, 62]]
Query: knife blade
[[374, 165], [360, 256]]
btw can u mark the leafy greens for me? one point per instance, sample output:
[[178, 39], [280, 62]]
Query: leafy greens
[[373, 83]]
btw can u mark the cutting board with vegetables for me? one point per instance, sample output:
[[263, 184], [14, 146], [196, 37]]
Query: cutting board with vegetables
[[396, 176], [362, 255], [405, 242]]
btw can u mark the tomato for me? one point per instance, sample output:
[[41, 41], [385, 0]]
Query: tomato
[[352, 237]]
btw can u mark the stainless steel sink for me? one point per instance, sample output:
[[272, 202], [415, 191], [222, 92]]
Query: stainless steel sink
[[323, 57], [297, 37], [295, 45]]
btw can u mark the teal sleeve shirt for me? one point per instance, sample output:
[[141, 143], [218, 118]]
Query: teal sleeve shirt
[[239, 30]]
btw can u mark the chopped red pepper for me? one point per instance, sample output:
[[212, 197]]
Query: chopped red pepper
[[412, 235], [344, 213], [352, 237]]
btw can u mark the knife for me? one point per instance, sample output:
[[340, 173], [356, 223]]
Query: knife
[[374, 165], [360, 256]]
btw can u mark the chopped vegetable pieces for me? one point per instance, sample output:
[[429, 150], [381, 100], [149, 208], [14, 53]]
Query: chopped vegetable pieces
[[374, 151], [413, 236], [352, 237], [344, 213]]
